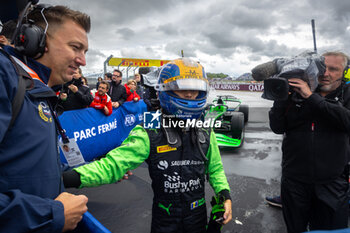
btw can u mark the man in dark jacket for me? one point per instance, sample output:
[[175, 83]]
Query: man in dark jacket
[[31, 189], [117, 91], [74, 94], [140, 89], [315, 150]]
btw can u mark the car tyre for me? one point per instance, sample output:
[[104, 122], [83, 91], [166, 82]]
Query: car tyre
[[245, 110], [237, 125]]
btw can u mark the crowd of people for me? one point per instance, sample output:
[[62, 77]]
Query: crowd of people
[[109, 93], [37, 84]]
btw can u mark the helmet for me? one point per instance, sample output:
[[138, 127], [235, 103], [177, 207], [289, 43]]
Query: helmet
[[182, 74]]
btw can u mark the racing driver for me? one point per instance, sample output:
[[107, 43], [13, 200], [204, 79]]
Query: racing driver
[[179, 159]]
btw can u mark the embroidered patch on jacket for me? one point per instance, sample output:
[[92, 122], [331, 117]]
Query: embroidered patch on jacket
[[44, 112], [165, 148]]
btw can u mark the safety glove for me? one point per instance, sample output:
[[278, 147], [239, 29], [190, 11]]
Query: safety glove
[[217, 214]]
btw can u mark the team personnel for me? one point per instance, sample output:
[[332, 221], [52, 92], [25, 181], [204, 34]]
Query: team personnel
[[178, 158], [32, 197], [316, 150]]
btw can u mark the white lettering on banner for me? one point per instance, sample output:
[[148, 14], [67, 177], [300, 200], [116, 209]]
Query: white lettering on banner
[[254, 87], [91, 132], [107, 127], [229, 87], [258, 87]]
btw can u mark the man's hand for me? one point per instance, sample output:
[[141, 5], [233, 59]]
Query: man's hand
[[106, 111], [228, 211], [63, 96], [73, 88], [74, 208], [115, 104], [300, 87], [136, 99]]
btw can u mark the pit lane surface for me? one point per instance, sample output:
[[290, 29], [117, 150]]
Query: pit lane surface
[[253, 172]]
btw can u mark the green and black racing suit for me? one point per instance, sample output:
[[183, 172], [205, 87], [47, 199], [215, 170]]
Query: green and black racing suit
[[177, 170]]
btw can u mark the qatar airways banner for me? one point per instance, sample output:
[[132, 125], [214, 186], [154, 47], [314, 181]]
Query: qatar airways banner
[[238, 86], [96, 133]]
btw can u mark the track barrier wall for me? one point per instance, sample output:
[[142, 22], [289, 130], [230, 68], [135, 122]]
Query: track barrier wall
[[254, 87]]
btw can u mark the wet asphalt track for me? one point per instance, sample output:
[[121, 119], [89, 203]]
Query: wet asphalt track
[[253, 171]]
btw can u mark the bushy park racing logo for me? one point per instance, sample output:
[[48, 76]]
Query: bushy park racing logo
[[153, 120], [174, 184]]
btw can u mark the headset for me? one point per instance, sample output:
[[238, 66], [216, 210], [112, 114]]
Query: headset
[[30, 39]]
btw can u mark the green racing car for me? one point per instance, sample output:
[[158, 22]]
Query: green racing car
[[233, 116]]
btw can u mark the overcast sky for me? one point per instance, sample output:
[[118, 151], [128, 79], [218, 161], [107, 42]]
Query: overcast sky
[[228, 36]]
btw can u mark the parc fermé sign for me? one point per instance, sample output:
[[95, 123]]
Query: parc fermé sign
[[255, 87]]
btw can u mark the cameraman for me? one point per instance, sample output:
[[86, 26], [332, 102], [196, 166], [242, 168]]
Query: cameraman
[[315, 149]]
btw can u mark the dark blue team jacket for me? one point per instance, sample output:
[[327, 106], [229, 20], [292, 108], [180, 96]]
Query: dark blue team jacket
[[30, 174]]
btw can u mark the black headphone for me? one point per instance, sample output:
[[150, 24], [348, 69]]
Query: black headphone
[[30, 39]]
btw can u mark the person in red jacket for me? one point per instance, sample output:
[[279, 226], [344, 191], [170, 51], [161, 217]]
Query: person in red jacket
[[130, 87], [101, 99]]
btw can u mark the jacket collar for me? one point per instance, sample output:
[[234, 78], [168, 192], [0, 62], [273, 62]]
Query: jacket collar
[[43, 71]]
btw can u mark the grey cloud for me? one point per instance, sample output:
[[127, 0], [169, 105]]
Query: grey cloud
[[125, 33], [250, 18], [94, 58], [254, 57], [161, 29], [140, 52], [175, 47], [169, 29]]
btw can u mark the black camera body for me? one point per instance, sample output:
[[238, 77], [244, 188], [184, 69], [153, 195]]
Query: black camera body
[[307, 66], [76, 82]]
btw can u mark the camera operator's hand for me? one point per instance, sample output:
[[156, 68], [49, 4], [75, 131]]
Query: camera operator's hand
[[73, 88], [300, 87]]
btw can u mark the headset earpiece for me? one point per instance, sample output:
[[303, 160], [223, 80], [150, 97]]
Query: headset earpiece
[[30, 40]]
